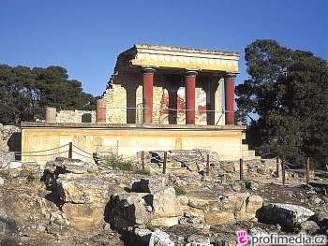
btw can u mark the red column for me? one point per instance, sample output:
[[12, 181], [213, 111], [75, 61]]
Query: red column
[[229, 91], [101, 111], [148, 82], [190, 83]]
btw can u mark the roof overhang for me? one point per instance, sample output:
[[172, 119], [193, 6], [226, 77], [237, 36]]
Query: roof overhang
[[168, 57]]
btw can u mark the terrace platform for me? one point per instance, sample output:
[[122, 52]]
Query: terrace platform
[[128, 139]]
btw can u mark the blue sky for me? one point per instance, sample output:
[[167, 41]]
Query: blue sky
[[85, 36]]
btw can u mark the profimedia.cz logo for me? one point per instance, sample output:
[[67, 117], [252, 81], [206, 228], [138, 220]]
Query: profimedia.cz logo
[[243, 239]]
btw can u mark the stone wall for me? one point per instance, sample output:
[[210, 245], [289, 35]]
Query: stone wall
[[115, 101], [225, 140], [9, 138], [74, 116], [10, 141]]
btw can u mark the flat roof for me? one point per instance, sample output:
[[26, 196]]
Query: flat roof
[[172, 57], [185, 49]]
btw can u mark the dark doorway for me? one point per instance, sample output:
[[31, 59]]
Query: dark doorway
[[86, 118]]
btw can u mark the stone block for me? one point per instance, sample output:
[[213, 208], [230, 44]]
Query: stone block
[[80, 189], [84, 216], [288, 216]]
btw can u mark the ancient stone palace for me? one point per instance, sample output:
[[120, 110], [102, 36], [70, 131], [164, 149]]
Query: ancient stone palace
[[169, 85], [158, 98]]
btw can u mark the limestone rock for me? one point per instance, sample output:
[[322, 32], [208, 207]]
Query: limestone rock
[[234, 206], [84, 216], [160, 238], [183, 200], [58, 223], [199, 203], [309, 227], [235, 201], [253, 203], [321, 219], [150, 185], [165, 204], [31, 170], [149, 238], [6, 158], [195, 221], [198, 240], [7, 224], [251, 185], [28, 170], [66, 165], [142, 235], [80, 189], [26, 230], [286, 215], [221, 217], [160, 207], [193, 160], [126, 210], [165, 221], [15, 164], [228, 167]]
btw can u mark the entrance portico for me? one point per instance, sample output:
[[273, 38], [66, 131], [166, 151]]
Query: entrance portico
[[172, 68]]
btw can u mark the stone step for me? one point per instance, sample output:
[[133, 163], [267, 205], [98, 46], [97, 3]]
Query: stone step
[[251, 152], [250, 158], [244, 147], [250, 155]]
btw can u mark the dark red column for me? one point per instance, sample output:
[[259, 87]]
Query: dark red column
[[101, 111], [190, 83], [229, 91], [148, 82]]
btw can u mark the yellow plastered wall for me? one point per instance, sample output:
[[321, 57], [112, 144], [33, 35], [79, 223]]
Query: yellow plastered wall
[[127, 142]]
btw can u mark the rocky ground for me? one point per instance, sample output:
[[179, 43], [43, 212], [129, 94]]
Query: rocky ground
[[71, 202]]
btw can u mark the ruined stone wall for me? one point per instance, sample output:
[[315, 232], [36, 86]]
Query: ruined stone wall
[[116, 105], [9, 138], [74, 116], [10, 141], [115, 101]]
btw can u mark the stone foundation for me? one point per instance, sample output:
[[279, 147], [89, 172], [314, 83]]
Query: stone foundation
[[129, 139]]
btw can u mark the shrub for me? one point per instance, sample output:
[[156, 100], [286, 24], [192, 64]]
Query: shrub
[[118, 162], [143, 172], [28, 174], [30, 178], [179, 190]]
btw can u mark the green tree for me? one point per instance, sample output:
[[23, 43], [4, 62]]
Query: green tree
[[288, 92], [26, 92]]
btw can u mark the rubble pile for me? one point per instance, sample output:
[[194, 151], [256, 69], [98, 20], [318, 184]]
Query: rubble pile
[[72, 202]]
